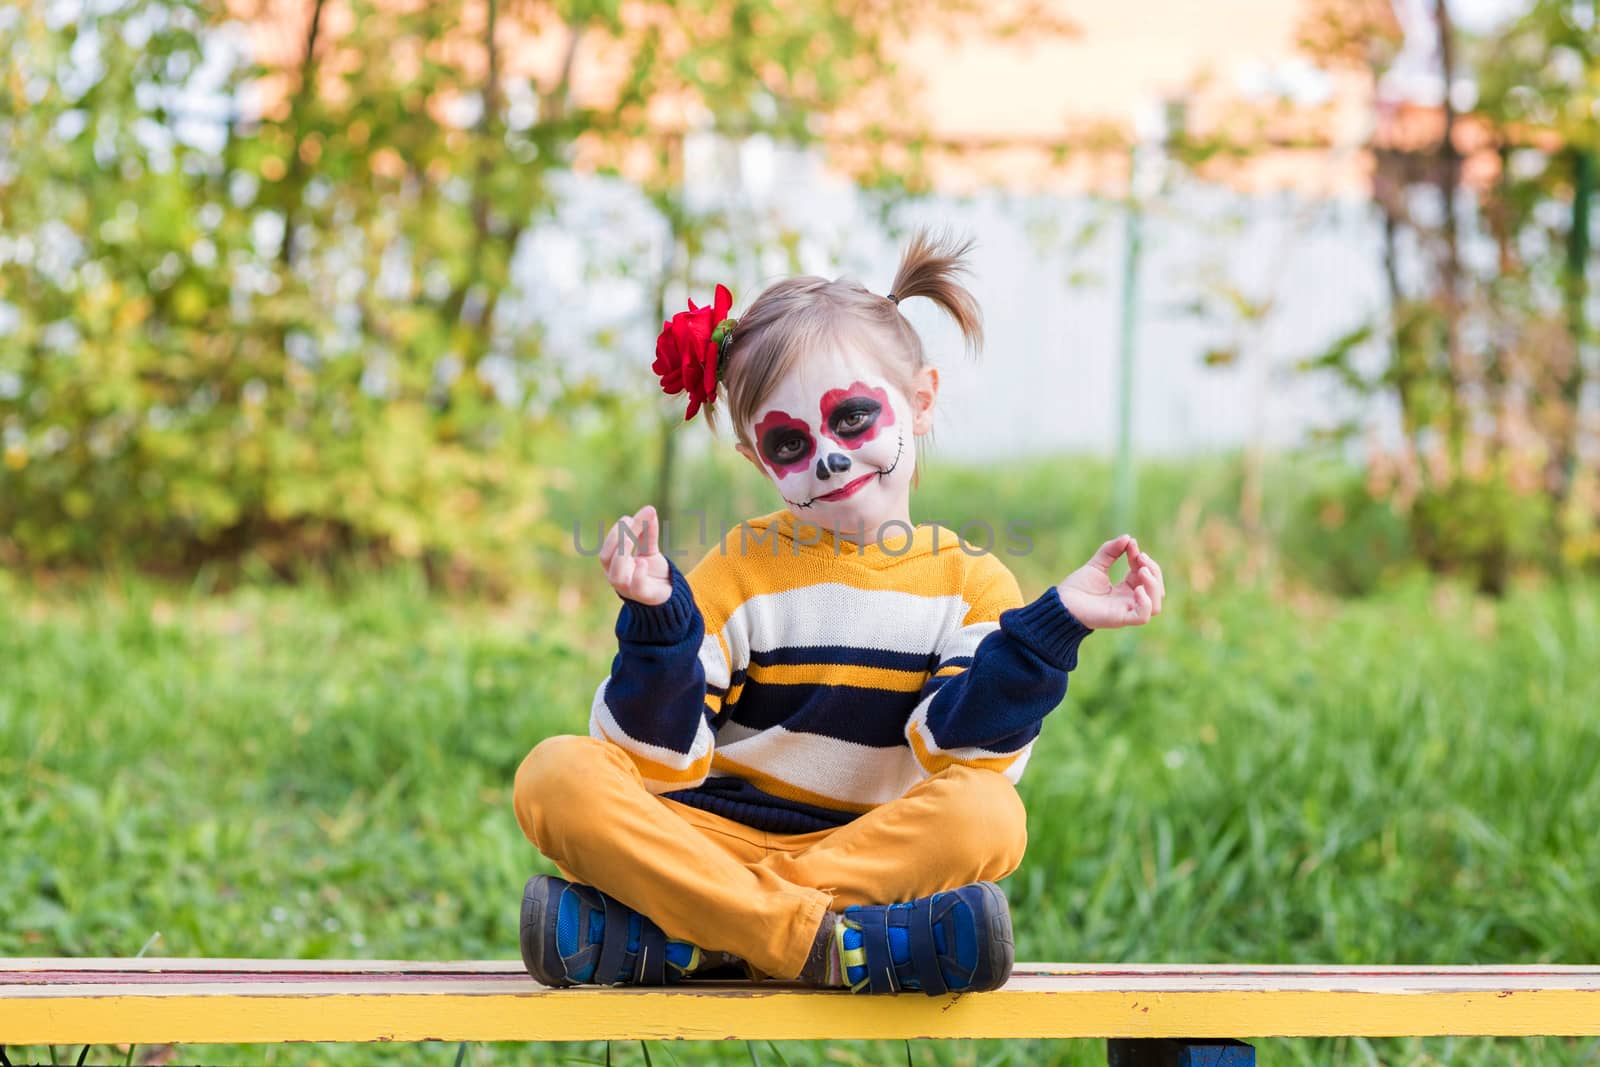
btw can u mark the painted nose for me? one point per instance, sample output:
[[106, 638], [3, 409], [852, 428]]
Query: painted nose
[[836, 463]]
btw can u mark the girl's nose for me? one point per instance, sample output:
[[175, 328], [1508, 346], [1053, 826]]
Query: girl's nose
[[836, 463]]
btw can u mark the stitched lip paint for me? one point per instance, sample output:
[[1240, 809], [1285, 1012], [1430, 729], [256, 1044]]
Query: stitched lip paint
[[850, 489]]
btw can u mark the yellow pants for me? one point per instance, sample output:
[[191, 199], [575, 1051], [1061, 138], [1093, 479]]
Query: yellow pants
[[726, 887]]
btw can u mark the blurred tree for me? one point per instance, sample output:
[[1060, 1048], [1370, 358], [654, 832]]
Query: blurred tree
[[258, 306], [1539, 89], [1486, 360]]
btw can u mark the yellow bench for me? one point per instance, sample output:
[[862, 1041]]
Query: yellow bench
[[195, 1001]]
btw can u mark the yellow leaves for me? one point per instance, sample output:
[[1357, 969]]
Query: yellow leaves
[[273, 168], [128, 314], [16, 457], [189, 302]]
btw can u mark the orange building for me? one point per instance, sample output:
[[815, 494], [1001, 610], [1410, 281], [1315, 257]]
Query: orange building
[[1004, 108]]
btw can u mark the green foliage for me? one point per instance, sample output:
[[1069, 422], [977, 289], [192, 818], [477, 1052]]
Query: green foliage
[[181, 380], [1342, 538], [1539, 73], [1486, 359], [1258, 778], [1482, 527], [266, 308]]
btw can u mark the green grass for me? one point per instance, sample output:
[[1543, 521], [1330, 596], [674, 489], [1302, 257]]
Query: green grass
[[1264, 774]]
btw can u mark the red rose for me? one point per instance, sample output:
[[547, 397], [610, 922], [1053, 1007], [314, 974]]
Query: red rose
[[686, 351]]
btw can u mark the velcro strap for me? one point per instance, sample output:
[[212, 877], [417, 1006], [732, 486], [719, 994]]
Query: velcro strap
[[614, 965], [584, 954], [652, 963], [875, 945], [924, 952]]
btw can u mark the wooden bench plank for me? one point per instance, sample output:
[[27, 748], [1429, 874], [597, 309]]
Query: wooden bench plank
[[72, 1001]]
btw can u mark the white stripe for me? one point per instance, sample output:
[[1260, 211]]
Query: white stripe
[[1013, 772], [965, 641], [842, 770], [713, 663], [603, 725], [829, 613]]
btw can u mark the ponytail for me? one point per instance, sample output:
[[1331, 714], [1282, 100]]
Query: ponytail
[[929, 268]]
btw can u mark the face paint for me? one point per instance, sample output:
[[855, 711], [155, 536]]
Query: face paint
[[853, 416], [853, 468], [785, 443]]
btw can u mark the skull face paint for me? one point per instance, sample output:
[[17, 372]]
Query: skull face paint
[[785, 443], [834, 438], [852, 417]]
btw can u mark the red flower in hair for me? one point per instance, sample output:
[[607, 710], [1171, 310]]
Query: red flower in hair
[[687, 350]]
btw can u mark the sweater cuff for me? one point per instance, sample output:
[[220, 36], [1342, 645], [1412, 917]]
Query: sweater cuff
[[1048, 628], [666, 623]]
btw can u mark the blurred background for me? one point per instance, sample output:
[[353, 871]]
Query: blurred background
[[325, 331]]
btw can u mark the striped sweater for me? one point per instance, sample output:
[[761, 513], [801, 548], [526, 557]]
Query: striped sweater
[[792, 686]]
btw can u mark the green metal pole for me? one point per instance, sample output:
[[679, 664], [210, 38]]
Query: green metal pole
[[1125, 490]]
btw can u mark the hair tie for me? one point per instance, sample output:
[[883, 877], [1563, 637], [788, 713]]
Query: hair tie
[[895, 300], [690, 350]]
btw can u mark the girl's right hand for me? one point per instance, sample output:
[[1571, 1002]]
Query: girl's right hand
[[633, 561]]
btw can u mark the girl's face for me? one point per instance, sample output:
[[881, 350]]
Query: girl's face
[[836, 438]]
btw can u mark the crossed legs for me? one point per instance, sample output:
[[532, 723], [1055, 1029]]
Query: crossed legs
[[730, 888]]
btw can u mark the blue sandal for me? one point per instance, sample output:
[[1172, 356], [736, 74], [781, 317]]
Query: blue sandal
[[574, 934], [959, 941]]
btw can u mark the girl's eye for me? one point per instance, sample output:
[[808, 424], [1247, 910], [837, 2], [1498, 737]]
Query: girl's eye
[[785, 446], [855, 417]]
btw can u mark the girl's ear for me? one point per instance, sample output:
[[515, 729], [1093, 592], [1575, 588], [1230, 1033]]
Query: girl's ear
[[924, 391]]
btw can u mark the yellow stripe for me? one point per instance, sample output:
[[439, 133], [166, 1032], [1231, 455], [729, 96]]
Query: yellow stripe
[[660, 772], [729, 575], [779, 788], [991, 589], [945, 672], [885, 678], [1027, 1008], [934, 762], [713, 703]]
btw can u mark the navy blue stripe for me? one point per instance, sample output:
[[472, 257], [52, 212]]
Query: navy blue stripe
[[860, 714], [1018, 741], [737, 799], [843, 655], [1004, 695]]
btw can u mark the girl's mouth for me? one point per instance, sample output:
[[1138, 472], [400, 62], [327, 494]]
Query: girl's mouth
[[849, 489]]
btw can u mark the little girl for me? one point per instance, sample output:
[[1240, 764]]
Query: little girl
[[805, 754]]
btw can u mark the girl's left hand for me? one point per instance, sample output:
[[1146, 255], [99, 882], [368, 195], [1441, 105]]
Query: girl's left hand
[[1088, 593]]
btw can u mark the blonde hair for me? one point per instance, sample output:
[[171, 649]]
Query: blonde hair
[[800, 315]]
